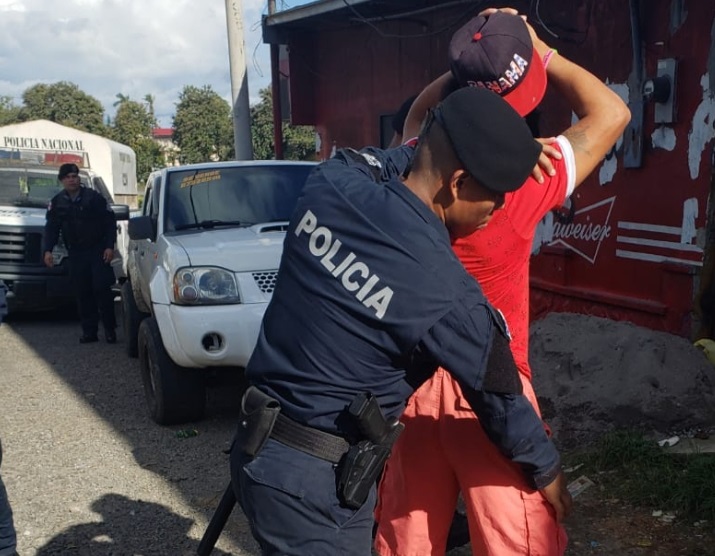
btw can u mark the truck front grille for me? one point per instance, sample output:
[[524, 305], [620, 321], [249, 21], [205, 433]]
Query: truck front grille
[[266, 280], [20, 247]]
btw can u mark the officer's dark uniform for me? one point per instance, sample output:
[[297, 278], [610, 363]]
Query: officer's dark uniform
[[88, 227], [370, 297]]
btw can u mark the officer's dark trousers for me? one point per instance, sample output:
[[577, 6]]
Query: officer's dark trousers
[[92, 280], [290, 501]]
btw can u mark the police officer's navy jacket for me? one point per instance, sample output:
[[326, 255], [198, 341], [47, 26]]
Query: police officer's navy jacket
[[371, 298], [86, 221]]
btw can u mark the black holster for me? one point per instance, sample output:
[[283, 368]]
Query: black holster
[[359, 472], [257, 417], [364, 461]]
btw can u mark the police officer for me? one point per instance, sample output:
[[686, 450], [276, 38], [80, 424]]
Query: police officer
[[89, 231], [370, 300]]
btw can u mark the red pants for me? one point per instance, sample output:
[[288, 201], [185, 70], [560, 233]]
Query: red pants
[[442, 451]]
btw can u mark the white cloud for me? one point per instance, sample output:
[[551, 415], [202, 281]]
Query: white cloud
[[133, 47]]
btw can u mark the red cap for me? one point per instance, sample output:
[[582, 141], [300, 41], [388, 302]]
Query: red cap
[[496, 53]]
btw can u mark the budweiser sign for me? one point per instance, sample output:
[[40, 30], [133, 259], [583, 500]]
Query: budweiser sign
[[584, 234]]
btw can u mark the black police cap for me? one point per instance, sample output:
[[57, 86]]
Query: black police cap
[[490, 139], [68, 168]]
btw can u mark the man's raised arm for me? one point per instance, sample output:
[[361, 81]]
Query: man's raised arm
[[602, 114]]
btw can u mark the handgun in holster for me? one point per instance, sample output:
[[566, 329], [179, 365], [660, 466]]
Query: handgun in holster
[[364, 461]]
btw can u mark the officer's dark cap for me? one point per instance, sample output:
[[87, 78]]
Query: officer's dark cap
[[492, 142], [68, 168]]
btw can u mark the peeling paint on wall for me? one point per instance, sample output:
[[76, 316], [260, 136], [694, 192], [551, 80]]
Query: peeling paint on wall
[[610, 163], [544, 233], [663, 138], [658, 243], [690, 213], [678, 15], [702, 129]]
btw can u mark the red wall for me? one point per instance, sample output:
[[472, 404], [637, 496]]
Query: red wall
[[646, 204], [343, 79]]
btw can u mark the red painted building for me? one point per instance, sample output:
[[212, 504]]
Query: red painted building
[[637, 242]]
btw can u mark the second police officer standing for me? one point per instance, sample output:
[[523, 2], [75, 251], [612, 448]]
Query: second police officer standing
[[89, 231]]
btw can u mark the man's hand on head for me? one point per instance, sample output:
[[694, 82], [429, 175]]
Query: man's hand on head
[[541, 47], [490, 11]]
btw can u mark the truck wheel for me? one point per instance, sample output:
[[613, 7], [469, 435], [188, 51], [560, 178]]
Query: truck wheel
[[174, 394], [131, 319]]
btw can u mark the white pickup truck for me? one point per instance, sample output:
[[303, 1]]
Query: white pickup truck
[[202, 264]]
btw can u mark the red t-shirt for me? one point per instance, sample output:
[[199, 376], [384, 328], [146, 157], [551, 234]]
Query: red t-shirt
[[498, 255]]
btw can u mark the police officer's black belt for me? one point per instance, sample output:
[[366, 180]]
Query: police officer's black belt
[[312, 441]]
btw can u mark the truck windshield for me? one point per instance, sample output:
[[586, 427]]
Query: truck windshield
[[233, 196], [25, 187]]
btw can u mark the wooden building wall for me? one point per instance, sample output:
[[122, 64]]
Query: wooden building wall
[[638, 246]]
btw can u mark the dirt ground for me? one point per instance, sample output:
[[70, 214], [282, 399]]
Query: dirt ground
[[89, 474], [605, 526], [592, 375]]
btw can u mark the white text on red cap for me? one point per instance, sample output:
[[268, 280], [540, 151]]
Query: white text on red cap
[[510, 79]]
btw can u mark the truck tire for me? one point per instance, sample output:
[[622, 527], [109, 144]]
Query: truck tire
[[132, 317], [174, 394]]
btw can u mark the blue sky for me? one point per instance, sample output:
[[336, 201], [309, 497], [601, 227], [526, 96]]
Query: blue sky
[[133, 47]]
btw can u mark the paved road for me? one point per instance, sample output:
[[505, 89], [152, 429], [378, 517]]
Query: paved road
[[86, 470]]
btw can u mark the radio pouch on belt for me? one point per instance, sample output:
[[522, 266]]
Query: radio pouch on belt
[[258, 415]]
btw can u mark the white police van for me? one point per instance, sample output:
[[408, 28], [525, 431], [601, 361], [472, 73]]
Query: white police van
[[28, 180]]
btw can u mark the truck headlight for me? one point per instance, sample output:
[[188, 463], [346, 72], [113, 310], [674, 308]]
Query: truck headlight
[[205, 286]]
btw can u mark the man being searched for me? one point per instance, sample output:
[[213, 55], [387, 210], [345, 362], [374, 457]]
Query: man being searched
[[89, 231], [445, 449], [369, 302]]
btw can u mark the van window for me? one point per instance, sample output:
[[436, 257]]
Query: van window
[[102, 189], [27, 187]]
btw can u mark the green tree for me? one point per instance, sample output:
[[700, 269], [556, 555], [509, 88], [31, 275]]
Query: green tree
[[298, 141], [64, 103], [133, 126], [121, 98], [202, 126], [9, 113], [149, 100]]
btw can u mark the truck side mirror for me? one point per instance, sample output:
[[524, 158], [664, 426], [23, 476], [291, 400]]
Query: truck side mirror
[[121, 212], [142, 227]]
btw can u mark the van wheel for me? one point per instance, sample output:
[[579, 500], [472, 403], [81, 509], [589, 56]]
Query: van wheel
[[174, 394], [131, 319]]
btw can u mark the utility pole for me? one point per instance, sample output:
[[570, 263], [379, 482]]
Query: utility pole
[[276, 93], [239, 81]]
